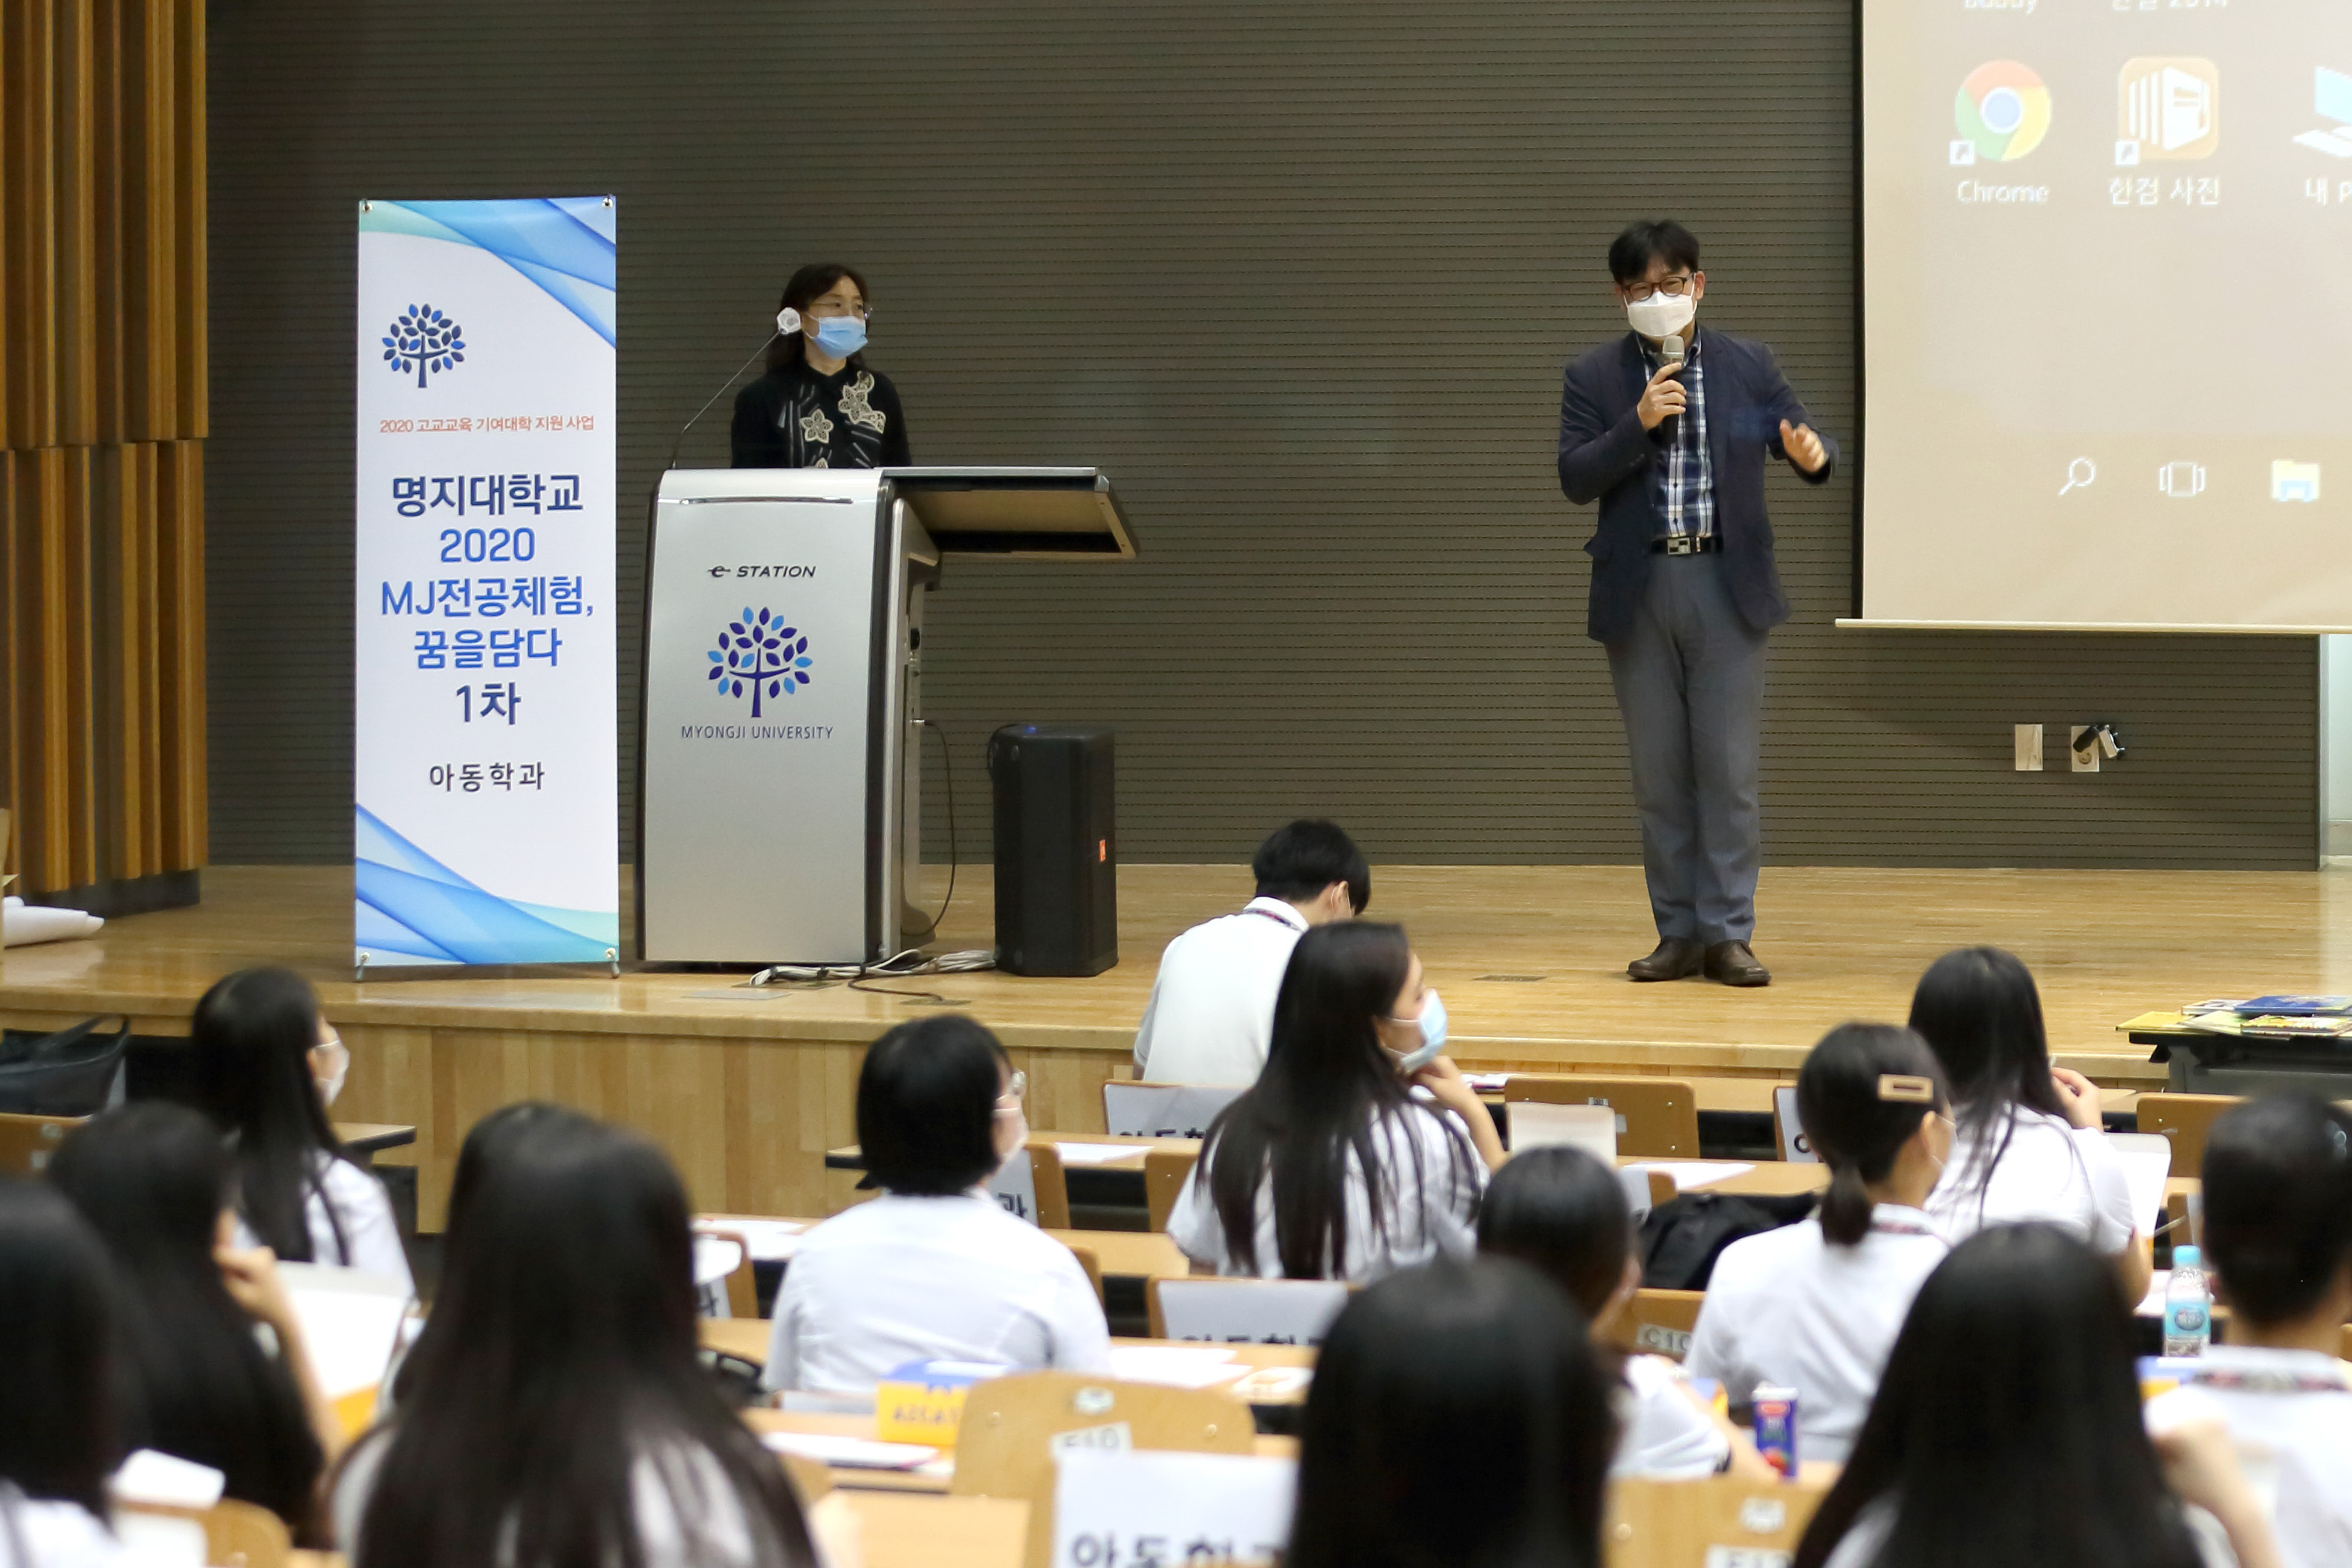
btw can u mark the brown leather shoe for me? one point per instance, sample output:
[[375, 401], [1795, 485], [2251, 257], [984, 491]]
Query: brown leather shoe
[[1733, 964], [1677, 958]]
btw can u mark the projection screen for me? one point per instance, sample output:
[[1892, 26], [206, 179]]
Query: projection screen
[[2108, 313]]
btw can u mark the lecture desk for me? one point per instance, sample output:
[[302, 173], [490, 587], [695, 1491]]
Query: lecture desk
[[368, 1139], [895, 1530]]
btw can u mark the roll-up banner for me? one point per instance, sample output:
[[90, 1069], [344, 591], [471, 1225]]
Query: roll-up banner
[[485, 749]]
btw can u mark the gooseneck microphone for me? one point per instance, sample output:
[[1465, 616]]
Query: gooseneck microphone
[[1670, 352], [788, 322]]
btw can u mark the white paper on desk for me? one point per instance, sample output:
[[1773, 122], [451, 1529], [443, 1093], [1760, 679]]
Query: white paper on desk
[[849, 1453], [351, 1320], [1174, 1367], [1689, 1176], [2147, 1163], [1536, 1125], [1104, 1502], [770, 1240], [1095, 1154]]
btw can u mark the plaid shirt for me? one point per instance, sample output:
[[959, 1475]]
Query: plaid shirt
[[1684, 482]]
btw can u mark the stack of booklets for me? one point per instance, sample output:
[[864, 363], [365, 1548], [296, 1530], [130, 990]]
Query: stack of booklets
[[2280, 1016]]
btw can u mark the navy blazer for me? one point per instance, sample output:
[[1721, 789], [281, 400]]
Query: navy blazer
[[1606, 455]]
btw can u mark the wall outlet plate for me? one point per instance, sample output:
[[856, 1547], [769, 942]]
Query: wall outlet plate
[[2029, 747], [2085, 758]]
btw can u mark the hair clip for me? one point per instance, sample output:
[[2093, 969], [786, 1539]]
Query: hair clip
[[1908, 1088]]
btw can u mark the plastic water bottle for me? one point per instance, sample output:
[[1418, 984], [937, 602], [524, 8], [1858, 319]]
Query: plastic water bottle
[[2188, 1305]]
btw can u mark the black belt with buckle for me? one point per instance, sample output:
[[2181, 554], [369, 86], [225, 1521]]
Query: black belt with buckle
[[1686, 544]]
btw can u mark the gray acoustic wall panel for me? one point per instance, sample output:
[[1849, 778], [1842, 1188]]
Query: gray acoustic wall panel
[[1302, 276]]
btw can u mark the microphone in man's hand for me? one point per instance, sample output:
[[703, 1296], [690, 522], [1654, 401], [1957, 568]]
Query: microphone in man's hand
[[1670, 354]]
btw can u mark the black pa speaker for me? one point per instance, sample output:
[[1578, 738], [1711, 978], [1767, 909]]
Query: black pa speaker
[[1057, 849]]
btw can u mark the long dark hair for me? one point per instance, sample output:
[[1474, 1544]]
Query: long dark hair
[[1563, 1211], [801, 290], [2007, 1426], [152, 1178], [56, 1349], [1979, 1010], [560, 1355], [1861, 1096], [1461, 1415], [252, 1034], [1327, 1091]]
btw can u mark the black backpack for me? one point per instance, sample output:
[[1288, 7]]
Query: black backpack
[[1681, 1240], [73, 1072]]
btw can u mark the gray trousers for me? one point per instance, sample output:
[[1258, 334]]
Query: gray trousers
[[1690, 685]]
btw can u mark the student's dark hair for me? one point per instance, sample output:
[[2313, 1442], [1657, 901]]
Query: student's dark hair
[[1631, 253], [1460, 1416], [802, 290], [2278, 1204], [252, 1035], [1979, 1010], [1564, 1212], [1300, 859], [1861, 1096], [2007, 1426], [560, 1355], [152, 1179], [1328, 1090], [926, 1105], [56, 1349]]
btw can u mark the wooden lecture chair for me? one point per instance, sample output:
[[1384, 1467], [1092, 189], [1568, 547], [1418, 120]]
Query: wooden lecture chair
[[1004, 1442], [1091, 1261], [236, 1534], [1659, 1322], [1243, 1311], [27, 1142], [1660, 1115], [2185, 1119], [1695, 1523], [1053, 1184], [742, 1289], [1164, 1171]]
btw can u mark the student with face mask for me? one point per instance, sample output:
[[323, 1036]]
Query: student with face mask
[[1815, 1306], [820, 405], [1668, 428], [1329, 1167], [933, 1268]]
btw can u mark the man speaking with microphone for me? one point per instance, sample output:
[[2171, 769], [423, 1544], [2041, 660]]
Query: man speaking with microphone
[[1668, 430]]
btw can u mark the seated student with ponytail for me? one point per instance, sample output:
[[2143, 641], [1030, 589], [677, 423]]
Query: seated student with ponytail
[[2028, 1145], [1327, 1167], [933, 1270], [1565, 1212], [2278, 1239], [1816, 1305]]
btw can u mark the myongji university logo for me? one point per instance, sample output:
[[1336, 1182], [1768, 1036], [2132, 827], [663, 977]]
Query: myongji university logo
[[759, 652], [424, 341]]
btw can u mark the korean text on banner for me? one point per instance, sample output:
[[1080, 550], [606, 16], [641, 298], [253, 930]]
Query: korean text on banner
[[485, 774]]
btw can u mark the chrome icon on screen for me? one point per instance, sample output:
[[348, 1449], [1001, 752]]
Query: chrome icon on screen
[[2002, 111]]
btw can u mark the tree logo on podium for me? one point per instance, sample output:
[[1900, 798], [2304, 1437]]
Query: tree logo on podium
[[424, 341], [759, 652]]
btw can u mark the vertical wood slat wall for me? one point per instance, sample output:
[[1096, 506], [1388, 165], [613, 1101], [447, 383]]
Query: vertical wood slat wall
[[103, 412]]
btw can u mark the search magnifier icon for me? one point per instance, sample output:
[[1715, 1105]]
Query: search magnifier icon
[[2080, 474]]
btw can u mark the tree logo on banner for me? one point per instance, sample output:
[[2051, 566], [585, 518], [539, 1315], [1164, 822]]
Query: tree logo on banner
[[762, 652], [424, 341]]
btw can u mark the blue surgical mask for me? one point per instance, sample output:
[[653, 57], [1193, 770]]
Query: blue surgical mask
[[841, 336], [1432, 1035]]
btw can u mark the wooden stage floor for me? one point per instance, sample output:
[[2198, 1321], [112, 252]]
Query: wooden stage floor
[[1531, 959]]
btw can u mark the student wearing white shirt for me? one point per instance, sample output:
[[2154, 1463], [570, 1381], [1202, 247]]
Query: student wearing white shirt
[[1564, 1212], [1815, 1306], [1459, 1415], [2007, 1431], [2030, 1146], [58, 1435], [1212, 1009], [2278, 1236], [933, 1270], [1329, 1167], [267, 1065], [554, 1410]]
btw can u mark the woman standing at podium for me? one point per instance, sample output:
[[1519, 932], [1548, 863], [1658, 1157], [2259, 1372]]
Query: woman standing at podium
[[819, 406]]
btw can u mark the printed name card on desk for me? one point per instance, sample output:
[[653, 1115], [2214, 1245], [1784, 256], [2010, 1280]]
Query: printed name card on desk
[[922, 1402], [1536, 1125], [1153, 1509]]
